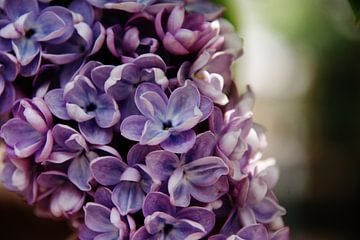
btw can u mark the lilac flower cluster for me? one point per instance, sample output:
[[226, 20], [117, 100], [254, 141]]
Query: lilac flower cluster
[[122, 117]]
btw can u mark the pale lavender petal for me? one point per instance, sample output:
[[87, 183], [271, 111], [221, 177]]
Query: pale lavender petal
[[157, 202], [173, 45], [257, 191], [128, 197], [254, 232], [183, 104], [179, 189], [107, 112], [79, 172], [153, 133], [66, 201], [68, 138], [176, 19], [16, 8], [203, 147], [180, 142], [54, 100], [25, 50], [206, 107], [142, 234], [97, 218], [162, 164], [107, 170], [16, 130], [94, 134], [132, 127], [199, 215], [138, 152], [267, 210], [48, 26], [100, 74], [210, 193], [205, 171]]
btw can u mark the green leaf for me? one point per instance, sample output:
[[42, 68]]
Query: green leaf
[[355, 5]]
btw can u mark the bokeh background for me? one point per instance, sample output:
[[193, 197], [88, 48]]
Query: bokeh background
[[302, 59]]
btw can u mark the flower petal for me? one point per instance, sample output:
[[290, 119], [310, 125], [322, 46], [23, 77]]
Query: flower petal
[[25, 50], [179, 189], [48, 26], [205, 171], [180, 142], [153, 133], [199, 215], [97, 218], [54, 100], [132, 127], [162, 164], [107, 170], [128, 197], [157, 202], [94, 134], [107, 112], [254, 232], [204, 146], [79, 173], [267, 210]]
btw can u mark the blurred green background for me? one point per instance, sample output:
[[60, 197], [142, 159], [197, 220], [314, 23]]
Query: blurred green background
[[302, 59]]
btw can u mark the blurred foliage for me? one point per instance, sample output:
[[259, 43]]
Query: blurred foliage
[[355, 5]]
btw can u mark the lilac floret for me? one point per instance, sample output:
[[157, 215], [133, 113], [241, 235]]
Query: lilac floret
[[164, 221], [84, 101], [166, 121], [9, 69], [29, 132], [195, 174]]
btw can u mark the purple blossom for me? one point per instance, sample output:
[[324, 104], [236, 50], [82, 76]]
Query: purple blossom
[[29, 132], [137, 37], [71, 146], [103, 220], [164, 221], [18, 175], [166, 121], [183, 33], [164, 98], [9, 69], [86, 40], [125, 5], [59, 197], [29, 28], [255, 232], [196, 174], [85, 101], [132, 183], [125, 78]]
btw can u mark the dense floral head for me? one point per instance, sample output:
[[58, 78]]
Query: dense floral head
[[122, 117]]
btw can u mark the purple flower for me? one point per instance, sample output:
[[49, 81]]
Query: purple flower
[[18, 175], [255, 232], [86, 40], [183, 33], [196, 174], [167, 121], [71, 146], [85, 101], [125, 5], [59, 197], [29, 132], [254, 201], [164, 221], [137, 37], [132, 183], [125, 78], [103, 220], [29, 28], [9, 69]]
